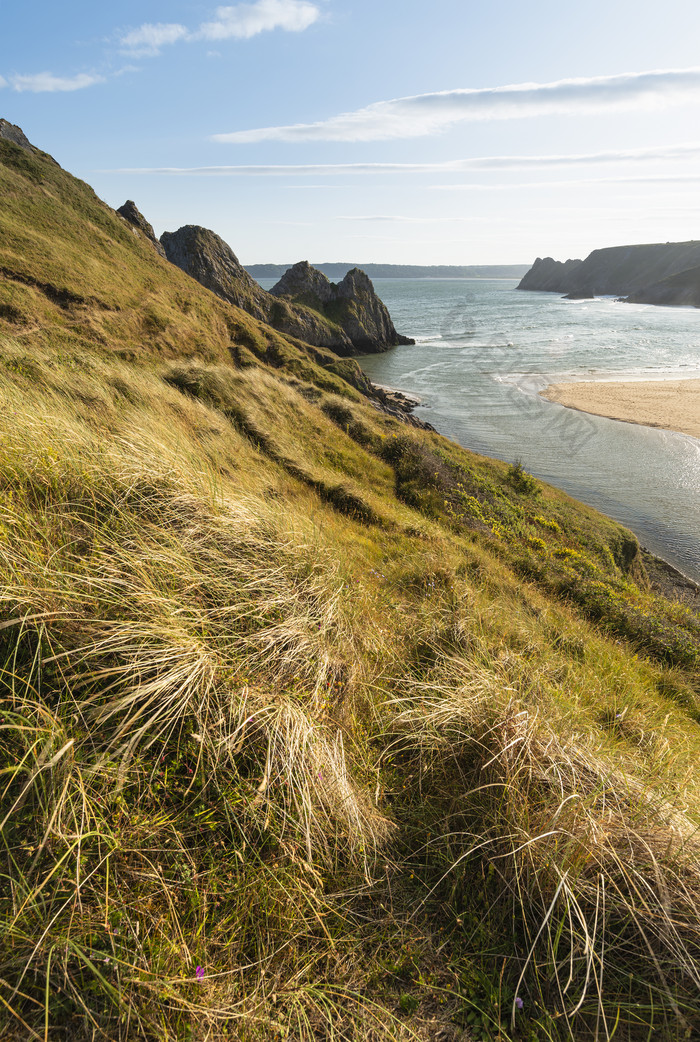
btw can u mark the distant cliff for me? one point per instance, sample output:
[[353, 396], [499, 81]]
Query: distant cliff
[[337, 270], [352, 304], [549, 275], [654, 273], [680, 289]]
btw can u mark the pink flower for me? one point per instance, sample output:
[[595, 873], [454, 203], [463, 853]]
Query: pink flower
[[199, 973]]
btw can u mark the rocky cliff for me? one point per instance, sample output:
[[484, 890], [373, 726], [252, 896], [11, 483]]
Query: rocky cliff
[[352, 304], [207, 258], [650, 273], [133, 216], [548, 275], [682, 289]]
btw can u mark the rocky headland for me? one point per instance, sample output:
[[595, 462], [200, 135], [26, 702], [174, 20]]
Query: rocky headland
[[549, 275], [352, 304], [348, 319], [653, 273]]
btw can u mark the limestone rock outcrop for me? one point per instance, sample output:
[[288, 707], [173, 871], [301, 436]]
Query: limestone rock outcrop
[[348, 319], [652, 273], [549, 276], [207, 258], [133, 216], [351, 304]]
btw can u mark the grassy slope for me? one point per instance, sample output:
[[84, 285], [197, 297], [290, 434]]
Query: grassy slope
[[311, 725]]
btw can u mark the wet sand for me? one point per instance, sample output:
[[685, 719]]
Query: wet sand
[[671, 404]]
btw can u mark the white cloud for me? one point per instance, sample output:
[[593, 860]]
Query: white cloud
[[46, 82], [245, 20], [636, 156], [149, 38], [401, 219], [3, 82], [424, 114], [676, 179], [240, 22]]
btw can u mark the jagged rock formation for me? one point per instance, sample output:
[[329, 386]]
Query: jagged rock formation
[[548, 275], [351, 304], [133, 216], [348, 318], [654, 273], [207, 258]]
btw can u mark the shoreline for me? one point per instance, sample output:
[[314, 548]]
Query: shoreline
[[666, 578], [672, 405]]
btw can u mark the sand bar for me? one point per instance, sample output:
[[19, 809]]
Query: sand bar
[[671, 404]]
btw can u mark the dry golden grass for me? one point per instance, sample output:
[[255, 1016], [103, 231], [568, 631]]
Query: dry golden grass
[[310, 726]]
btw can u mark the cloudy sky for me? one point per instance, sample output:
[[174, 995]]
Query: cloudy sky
[[372, 130]]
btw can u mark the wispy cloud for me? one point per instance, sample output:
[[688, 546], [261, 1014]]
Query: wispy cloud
[[424, 114], [401, 219], [677, 179], [149, 38], [239, 22], [246, 20], [46, 82], [640, 155], [3, 82]]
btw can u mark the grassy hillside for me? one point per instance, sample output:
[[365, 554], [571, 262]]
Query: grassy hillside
[[312, 725]]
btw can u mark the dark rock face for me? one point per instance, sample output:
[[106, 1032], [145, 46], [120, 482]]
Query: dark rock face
[[548, 275], [654, 273], [352, 304], [681, 290], [207, 258], [130, 212], [301, 281]]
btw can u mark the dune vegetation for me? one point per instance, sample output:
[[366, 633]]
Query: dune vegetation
[[313, 725]]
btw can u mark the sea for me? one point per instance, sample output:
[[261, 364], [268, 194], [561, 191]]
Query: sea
[[483, 352]]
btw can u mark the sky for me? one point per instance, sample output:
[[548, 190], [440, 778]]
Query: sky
[[397, 131]]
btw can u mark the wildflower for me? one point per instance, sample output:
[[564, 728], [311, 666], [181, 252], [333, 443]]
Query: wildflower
[[519, 1002], [199, 972]]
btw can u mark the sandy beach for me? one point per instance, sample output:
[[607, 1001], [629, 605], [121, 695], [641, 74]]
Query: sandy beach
[[671, 404]]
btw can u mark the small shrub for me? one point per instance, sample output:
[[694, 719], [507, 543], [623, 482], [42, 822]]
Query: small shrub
[[521, 481]]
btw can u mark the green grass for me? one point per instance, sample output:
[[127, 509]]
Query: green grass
[[385, 738]]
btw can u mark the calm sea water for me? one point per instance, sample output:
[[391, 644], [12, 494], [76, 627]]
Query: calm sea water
[[484, 350]]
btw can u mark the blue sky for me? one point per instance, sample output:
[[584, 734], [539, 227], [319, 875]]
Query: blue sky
[[441, 132]]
